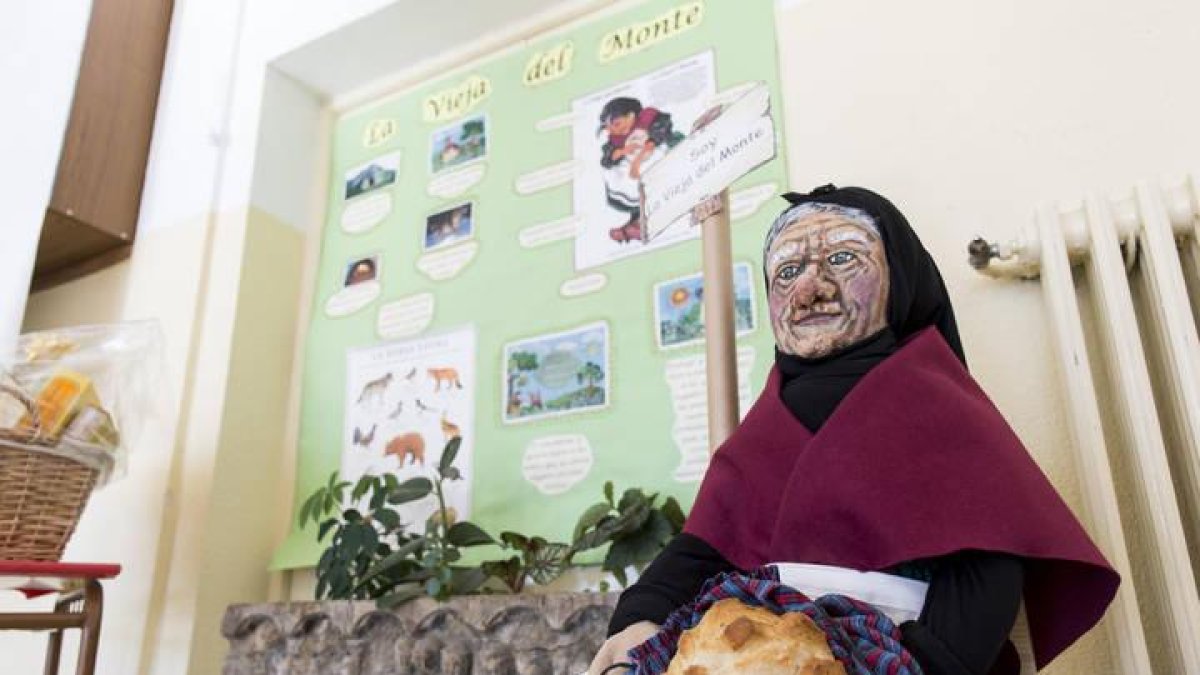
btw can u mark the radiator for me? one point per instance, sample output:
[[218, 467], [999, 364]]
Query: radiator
[[1116, 274]]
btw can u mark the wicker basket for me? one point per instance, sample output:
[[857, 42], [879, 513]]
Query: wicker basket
[[43, 489]]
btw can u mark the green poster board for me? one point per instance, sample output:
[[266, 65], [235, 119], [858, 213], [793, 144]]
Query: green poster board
[[481, 274]]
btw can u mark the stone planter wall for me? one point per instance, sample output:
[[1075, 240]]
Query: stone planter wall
[[552, 634]]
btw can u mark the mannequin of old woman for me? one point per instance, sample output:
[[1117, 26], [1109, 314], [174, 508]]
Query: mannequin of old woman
[[849, 285]]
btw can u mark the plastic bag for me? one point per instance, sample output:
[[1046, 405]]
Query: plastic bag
[[85, 392]]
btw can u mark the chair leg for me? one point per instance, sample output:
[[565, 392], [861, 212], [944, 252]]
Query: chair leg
[[53, 651], [89, 640]]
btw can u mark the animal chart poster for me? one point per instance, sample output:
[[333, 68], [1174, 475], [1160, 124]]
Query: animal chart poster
[[481, 271], [404, 401]]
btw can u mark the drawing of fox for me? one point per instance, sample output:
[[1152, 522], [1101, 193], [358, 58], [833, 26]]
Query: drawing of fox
[[446, 375]]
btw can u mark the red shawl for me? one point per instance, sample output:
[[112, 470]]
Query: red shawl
[[915, 462]]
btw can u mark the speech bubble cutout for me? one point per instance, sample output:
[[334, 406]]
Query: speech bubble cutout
[[688, 382], [555, 464], [365, 213], [546, 178], [448, 263], [352, 298], [558, 369], [747, 202], [454, 183], [583, 285], [555, 122], [547, 233], [405, 317]]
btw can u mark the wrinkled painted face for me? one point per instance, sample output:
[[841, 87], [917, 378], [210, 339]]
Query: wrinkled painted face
[[827, 285]]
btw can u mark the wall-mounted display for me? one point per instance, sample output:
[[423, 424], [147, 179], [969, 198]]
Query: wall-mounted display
[[483, 274]]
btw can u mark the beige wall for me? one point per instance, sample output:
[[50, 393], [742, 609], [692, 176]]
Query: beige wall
[[966, 114], [971, 114]]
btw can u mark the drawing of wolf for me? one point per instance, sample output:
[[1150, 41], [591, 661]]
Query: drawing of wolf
[[375, 389]]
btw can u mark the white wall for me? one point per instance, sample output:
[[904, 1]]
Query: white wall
[[969, 115], [39, 59]]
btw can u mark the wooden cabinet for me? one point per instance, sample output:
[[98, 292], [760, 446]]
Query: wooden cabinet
[[91, 220]]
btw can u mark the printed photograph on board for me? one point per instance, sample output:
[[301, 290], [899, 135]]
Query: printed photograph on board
[[360, 270], [621, 132], [404, 401], [460, 143], [449, 226], [679, 308], [557, 374], [375, 174]]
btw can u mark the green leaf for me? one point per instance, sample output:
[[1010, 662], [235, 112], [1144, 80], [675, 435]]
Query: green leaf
[[390, 482], [464, 580], [448, 454], [620, 576], [389, 519], [351, 515], [360, 488], [452, 473], [610, 529], [674, 514], [642, 545], [590, 518], [515, 540], [409, 548], [546, 562], [632, 499], [468, 534], [339, 491], [305, 508], [353, 539], [410, 491], [509, 572], [399, 597], [325, 527], [608, 493], [378, 497]]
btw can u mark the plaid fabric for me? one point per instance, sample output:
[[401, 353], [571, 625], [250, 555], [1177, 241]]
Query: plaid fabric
[[865, 640]]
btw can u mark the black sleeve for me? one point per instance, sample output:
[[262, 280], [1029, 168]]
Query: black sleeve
[[674, 578], [606, 156], [969, 611]]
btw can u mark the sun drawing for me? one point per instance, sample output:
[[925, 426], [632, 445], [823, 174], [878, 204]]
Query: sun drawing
[[679, 296]]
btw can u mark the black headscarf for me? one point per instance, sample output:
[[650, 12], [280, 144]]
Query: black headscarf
[[917, 299]]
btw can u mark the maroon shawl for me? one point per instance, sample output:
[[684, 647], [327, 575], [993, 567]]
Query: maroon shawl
[[915, 462]]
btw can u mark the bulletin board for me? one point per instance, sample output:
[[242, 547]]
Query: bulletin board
[[482, 275]]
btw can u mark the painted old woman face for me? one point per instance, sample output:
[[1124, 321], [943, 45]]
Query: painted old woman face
[[827, 277]]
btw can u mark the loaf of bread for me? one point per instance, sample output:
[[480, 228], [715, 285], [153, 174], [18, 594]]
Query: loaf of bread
[[736, 638]]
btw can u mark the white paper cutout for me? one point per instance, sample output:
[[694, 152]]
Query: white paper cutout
[[405, 317], [555, 464]]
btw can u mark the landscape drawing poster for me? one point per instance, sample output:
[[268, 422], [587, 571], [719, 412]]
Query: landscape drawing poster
[[557, 374], [679, 308]]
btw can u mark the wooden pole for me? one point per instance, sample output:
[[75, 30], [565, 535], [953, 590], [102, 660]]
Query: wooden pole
[[720, 346]]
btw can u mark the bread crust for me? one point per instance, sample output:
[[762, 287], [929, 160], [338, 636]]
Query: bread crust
[[734, 637]]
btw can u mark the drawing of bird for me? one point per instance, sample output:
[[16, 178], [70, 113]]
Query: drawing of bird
[[364, 439]]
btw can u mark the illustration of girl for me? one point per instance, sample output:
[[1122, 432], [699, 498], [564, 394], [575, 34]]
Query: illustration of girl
[[637, 137]]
